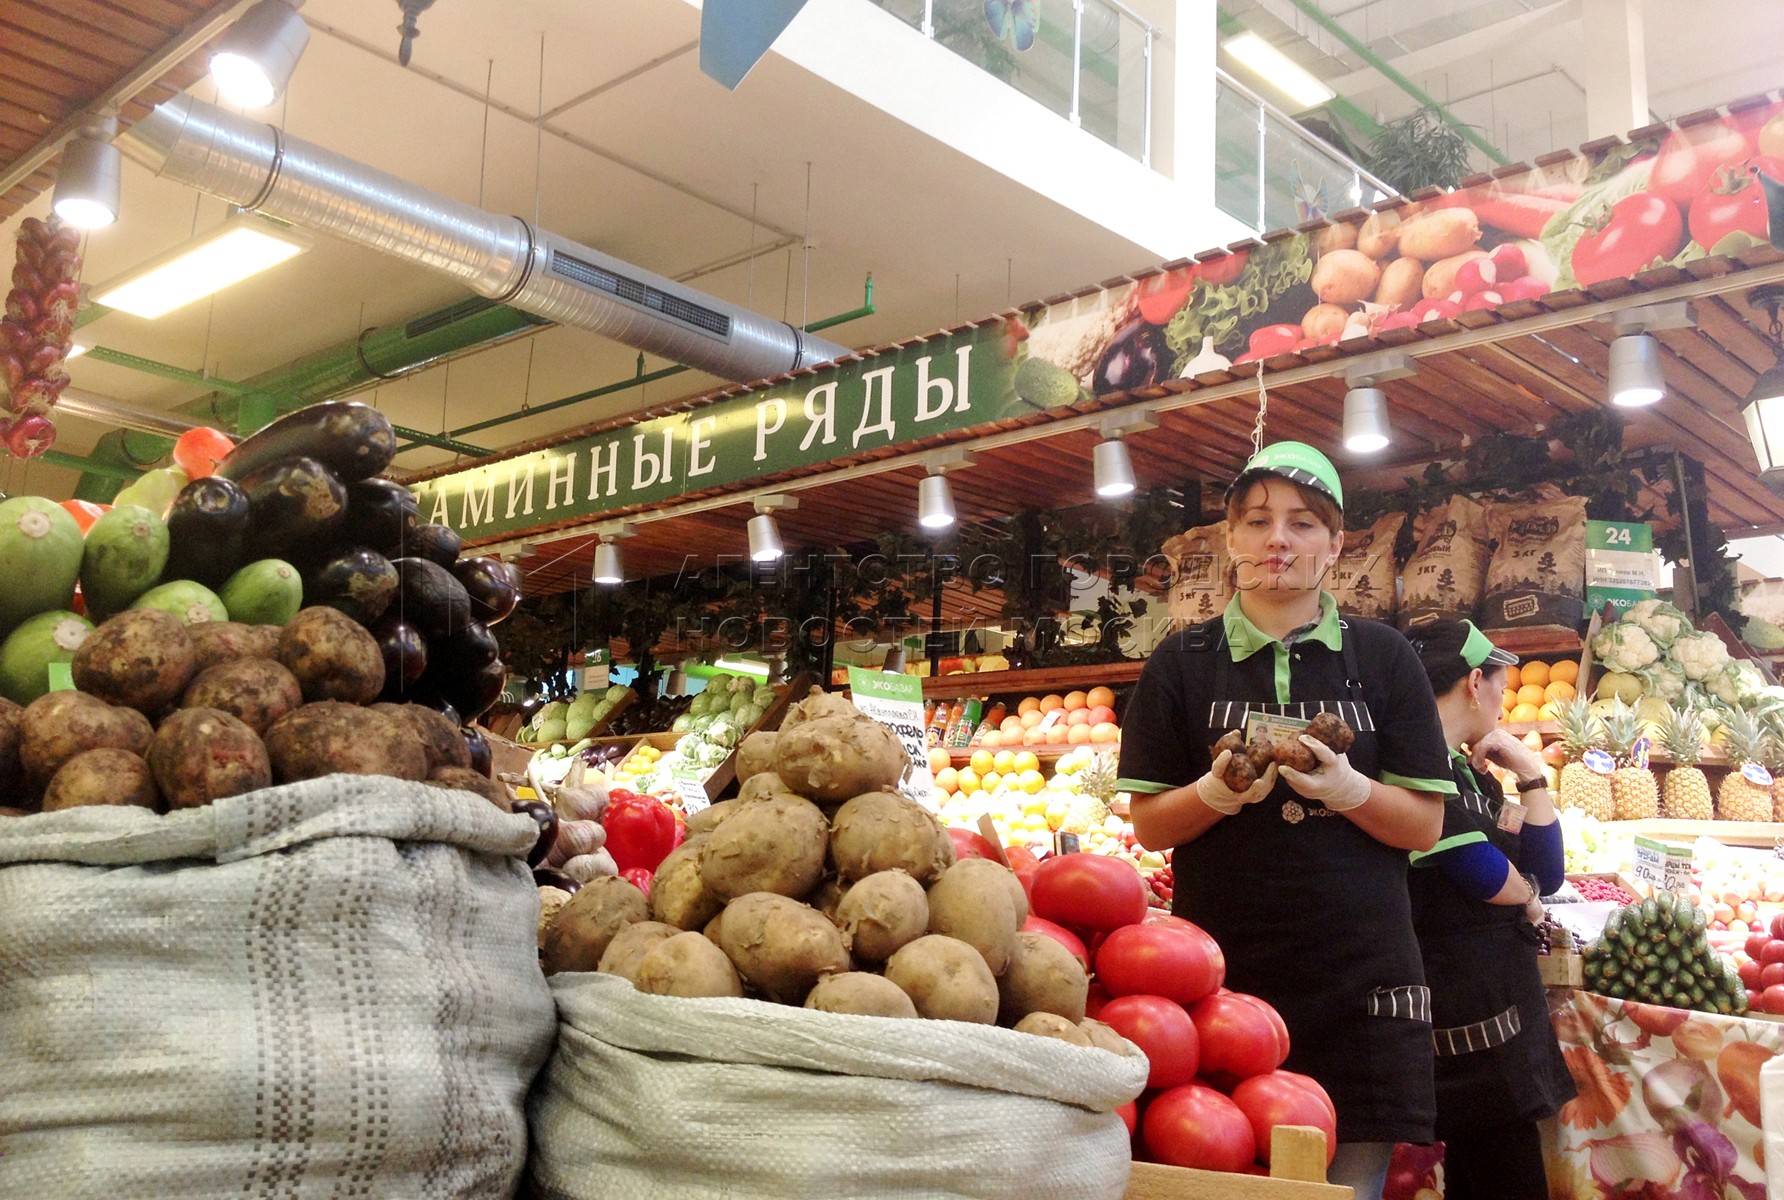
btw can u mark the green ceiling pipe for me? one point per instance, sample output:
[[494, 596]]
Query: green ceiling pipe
[[116, 458], [1362, 51]]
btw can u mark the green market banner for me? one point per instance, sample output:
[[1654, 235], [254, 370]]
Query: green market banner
[[1663, 199]]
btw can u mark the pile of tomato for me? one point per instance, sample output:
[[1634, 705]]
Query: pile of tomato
[[1216, 1087]]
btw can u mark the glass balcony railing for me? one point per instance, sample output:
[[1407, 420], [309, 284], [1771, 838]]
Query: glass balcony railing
[[1271, 174], [1090, 61]]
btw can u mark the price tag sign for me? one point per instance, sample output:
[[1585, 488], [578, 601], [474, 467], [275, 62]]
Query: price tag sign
[[61, 676], [1662, 866], [896, 701], [1621, 566], [691, 786]]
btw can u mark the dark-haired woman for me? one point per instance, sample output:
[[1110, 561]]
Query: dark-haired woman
[[1475, 905]]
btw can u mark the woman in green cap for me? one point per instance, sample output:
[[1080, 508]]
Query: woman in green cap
[[1475, 906], [1301, 877]]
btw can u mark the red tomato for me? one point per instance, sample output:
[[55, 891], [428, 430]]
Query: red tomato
[[1130, 1116], [1095, 999], [1771, 952], [1732, 202], [1154, 917], [1313, 1085], [1089, 891], [1060, 934], [1637, 230], [1271, 1100], [1196, 1126], [1689, 157], [1749, 972], [1160, 960], [1025, 864], [968, 844], [1236, 1037], [1160, 297], [85, 512], [1163, 1030], [1771, 1000], [1275, 1018], [198, 451], [1771, 974], [1777, 927], [1219, 272]]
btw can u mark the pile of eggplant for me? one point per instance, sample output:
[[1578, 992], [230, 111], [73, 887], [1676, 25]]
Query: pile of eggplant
[[305, 489]]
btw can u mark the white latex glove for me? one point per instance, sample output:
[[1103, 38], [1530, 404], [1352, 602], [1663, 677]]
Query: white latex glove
[[1337, 785], [1224, 800]]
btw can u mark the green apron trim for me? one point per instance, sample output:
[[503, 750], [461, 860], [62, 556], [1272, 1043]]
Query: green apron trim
[[1443, 787], [1448, 843], [1245, 639], [1145, 786]]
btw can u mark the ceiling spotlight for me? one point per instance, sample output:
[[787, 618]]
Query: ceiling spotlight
[[1635, 379], [608, 567], [255, 56], [935, 499], [894, 664], [677, 684], [1111, 465], [86, 194], [1366, 425], [764, 533], [1763, 409]]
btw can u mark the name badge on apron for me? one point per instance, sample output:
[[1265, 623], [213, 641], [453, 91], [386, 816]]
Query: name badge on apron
[[1511, 816]]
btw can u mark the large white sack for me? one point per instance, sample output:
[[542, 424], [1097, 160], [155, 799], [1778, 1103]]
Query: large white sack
[[651, 1097], [326, 989]]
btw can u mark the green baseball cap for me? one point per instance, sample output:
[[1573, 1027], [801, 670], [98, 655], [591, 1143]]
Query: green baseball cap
[[1478, 650], [1297, 462]]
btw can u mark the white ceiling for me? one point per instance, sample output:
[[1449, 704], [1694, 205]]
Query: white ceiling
[[647, 159]]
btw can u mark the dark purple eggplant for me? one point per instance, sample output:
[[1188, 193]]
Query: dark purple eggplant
[[361, 583], [206, 532], [546, 877], [429, 598], [405, 656], [354, 440], [1135, 358], [465, 652], [482, 760], [436, 543], [296, 502], [490, 586], [547, 818], [471, 693], [382, 514]]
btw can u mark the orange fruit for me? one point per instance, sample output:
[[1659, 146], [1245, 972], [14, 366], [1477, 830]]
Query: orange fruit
[[1003, 760], [1076, 700], [1012, 724], [1056, 735], [1026, 761], [1534, 672], [1105, 732], [1032, 717], [1077, 734], [1558, 690], [1513, 678], [1100, 697], [1052, 701], [947, 780], [1565, 671], [1508, 700], [1078, 716], [1531, 693], [1029, 704], [982, 761], [938, 759], [1525, 712]]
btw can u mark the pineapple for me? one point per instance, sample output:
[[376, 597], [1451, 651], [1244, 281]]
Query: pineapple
[[1687, 794], [1635, 794], [1581, 786], [1739, 798]]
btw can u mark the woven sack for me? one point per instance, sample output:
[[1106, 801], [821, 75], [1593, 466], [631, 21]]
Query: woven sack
[[663, 1097], [320, 990]]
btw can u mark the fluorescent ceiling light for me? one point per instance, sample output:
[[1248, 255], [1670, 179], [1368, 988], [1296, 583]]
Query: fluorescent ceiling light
[[241, 246], [742, 666], [1279, 70], [75, 350]]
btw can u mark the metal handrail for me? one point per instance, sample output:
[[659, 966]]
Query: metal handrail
[[1221, 76]]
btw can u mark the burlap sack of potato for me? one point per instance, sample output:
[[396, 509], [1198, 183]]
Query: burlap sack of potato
[[663, 1098], [319, 990], [1201, 588], [1538, 572], [1362, 581], [1446, 575]]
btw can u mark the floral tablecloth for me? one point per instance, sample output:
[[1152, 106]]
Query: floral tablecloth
[[1668, 1105]]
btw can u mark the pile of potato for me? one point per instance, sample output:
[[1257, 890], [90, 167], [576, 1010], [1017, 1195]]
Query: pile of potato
[[819, 885], [170, 716]]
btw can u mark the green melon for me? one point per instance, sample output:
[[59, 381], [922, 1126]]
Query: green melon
[[192, 603], [268, 592], [40, 558], [126, 549], [25, 656]]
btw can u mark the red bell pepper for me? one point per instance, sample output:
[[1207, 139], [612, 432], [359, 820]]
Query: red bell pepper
[[639, 878], [640, 830]]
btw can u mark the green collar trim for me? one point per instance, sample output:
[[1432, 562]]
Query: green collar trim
[[1245, 639]]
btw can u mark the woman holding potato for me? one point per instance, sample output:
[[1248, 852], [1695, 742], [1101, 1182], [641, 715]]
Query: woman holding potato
[[1301, 877]]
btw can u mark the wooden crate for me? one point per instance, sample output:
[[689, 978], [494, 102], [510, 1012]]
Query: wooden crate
[[1297, 1172]]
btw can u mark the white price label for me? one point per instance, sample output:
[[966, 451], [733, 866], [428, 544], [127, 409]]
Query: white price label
[[1662, 866], [691, 786], [896, 701]]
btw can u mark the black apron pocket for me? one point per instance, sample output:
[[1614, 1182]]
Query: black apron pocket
[[1399, 1094]]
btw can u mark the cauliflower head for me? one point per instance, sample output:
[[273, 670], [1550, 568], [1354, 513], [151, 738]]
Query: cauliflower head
[[1724, 685], [1662, 622], [1701, 655], [1625, 646], [1664, 679]]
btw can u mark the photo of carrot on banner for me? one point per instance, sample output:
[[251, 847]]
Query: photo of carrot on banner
[[1659, 200]]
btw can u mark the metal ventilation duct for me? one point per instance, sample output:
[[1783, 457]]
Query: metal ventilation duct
[[254, 165]]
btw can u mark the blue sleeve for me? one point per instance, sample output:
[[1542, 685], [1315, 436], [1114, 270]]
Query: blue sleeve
[[1539, 854], [1470, 862]]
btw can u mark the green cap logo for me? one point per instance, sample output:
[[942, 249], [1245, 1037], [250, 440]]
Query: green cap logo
[[1296, 461]]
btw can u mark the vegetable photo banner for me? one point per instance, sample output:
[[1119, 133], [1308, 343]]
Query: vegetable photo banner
[[1663, 199]]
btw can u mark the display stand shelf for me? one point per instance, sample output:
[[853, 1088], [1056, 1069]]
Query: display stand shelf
[[1297, 1172], [1037, 681], [1763, 834]]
